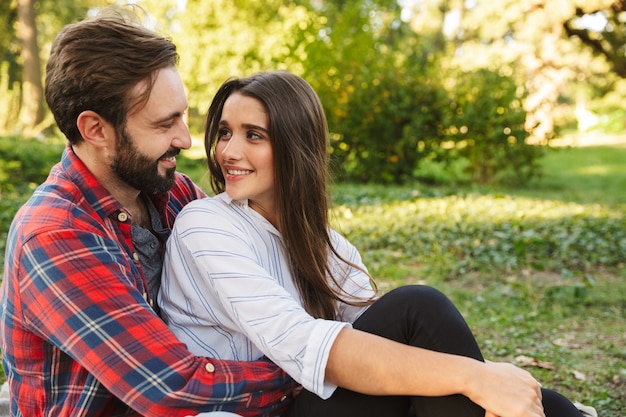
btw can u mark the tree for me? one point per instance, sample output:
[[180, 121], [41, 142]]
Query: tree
[[8, 43], [531, 38], [10, 71], [607, 35], [30, 27], [32, 108]]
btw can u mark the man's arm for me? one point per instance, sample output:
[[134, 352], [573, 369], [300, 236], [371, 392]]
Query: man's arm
[[79, 293]]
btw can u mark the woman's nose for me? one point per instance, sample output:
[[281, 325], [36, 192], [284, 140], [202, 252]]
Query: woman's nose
[[232, 148]]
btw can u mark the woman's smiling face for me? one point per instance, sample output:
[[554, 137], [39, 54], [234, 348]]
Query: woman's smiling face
[[244, 153]]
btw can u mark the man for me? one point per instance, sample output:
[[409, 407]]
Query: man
[[78, 329]]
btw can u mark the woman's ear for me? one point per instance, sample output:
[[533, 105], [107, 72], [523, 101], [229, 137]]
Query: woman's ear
[[93, 128]]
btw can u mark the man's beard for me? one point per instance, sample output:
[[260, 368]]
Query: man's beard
[[138, 170]]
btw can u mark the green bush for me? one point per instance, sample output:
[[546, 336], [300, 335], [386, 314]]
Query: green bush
[[26, 162], [388, 115], [399, 124], [387, 119], [484, 124]]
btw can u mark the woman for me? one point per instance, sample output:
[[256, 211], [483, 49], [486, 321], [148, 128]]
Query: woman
[[257, 271]]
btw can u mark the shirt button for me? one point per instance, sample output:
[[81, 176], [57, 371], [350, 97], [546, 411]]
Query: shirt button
[[283, 399], [209, 367], [135, 256], [121, 216]]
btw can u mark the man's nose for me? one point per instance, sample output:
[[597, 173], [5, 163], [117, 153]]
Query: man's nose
[[182, 138]]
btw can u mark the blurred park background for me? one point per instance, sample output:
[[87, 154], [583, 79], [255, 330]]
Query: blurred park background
[[478, 146], [430, 90]]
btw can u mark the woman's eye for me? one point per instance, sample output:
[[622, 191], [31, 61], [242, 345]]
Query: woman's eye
[[255, 136], [223, 134]]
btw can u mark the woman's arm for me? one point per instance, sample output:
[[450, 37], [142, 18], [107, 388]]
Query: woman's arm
[[374, 365]]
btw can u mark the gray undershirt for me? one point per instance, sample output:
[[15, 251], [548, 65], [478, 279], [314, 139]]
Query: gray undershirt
[[150, 245]]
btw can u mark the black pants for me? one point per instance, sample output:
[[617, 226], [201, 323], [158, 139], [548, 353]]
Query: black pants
[[418, 316]]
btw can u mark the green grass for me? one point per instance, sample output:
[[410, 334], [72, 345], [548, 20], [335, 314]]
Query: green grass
[[583, 175], [539, 272]]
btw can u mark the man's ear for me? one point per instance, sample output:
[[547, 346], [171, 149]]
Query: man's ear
[[93, 128]]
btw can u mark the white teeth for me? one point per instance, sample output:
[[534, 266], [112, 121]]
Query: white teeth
[[238, 172]]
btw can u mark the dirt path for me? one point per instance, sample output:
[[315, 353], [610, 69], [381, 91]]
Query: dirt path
[[590, 139]]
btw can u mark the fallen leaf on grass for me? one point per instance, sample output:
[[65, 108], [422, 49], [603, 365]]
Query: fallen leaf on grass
[[528, 361], [566, 342], [579, 376]]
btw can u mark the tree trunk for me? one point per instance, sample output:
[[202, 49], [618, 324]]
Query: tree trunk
[[32, 110]]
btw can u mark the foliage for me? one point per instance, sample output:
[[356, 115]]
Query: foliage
[[569, 220], [567, 330], [9, 45], [485, 122], [25, 162], [9, 101], [561, 73], [391, 115], [553, 304], [23, 165], [609, 39], [479, 233], [384, 73], [381, 95], [237, 38]]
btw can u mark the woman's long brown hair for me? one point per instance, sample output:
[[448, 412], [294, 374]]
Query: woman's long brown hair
[[299, 136]]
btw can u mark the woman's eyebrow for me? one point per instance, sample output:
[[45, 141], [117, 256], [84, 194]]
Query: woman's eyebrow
[[252, 126]]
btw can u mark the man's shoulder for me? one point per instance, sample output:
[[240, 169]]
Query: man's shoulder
[[54, 206], [49, 201]]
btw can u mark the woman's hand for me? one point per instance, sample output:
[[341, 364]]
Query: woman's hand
[[505, 390]]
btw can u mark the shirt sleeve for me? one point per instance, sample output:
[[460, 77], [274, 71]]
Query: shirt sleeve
[[77, 292], [217, 272]]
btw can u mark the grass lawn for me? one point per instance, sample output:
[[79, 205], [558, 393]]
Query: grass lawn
[[539, 272]]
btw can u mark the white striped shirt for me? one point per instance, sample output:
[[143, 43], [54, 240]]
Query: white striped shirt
[[228, 292]]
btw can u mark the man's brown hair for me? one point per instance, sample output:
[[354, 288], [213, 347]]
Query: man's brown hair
[[95, 65]]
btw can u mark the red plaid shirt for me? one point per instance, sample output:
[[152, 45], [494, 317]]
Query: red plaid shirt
[[77, 334]]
